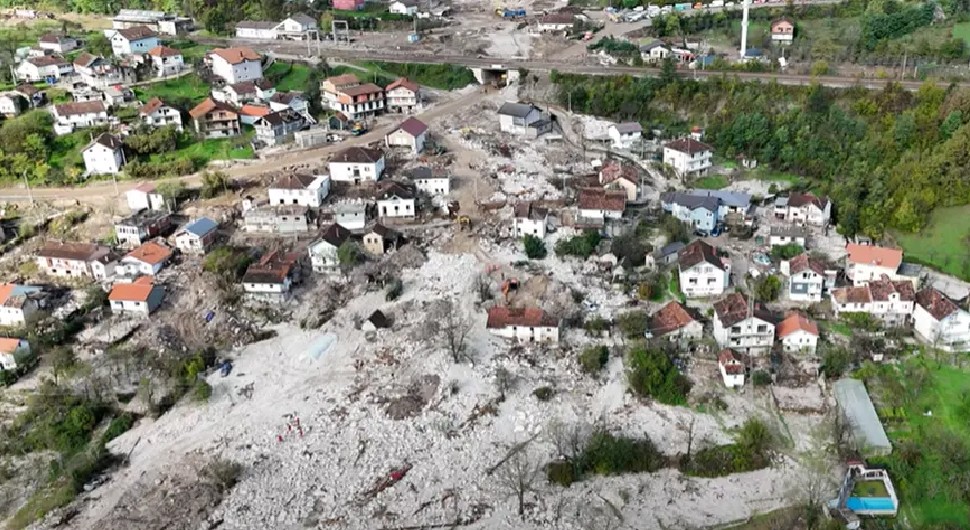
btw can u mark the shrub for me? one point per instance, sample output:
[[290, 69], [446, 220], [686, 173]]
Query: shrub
[[633, 324], [651, 373], [202, 391], [593, 359], [562, 472], [394, 291], [760, 378], [751, 451], [596, 325], [544, 393], [786, 252], [118, 426], [606, 454], [768, 288], [535, 248], [582, 245], [222, 473]]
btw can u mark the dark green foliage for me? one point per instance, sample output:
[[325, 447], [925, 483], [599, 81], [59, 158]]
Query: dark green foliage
[[229, 263], [835, 362], [535, 248], [582, 245], [606, 454], [896, 23], [544, 393], [593, 359], [562, 472], [349, 255], [786, 252], [767, 288], [750, 452], [675, 230], [760, 378], [153, 140], [119, 425], [616, 47], [394, 290], [202, 391], [629, 250], [596, 325], [213, 183], [442, 76], [137, 169], [651, 373], [634, 324]]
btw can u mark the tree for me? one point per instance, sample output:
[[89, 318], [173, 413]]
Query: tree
[[449, 327], [633, 324], [593, 359], [348, 255], [767, 288], [675, 230], [629, 249], [668, 71], [98, 44], [213, 183], [651, 373], [518, 475], [535, 248], [171, 191], [62, 360]]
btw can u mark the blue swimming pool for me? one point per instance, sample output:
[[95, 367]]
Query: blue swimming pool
[[869, 503]]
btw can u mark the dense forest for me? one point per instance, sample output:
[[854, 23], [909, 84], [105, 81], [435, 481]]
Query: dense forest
[[886, 157]]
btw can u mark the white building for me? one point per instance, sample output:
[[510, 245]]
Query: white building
[[411, 134], [350, 214], [701, 271], [788, 235], [890, 301], [807, 278], [357, 164], [235, 65], [137, 40], [556, 21], [140, 297], [674, 322], [256, 29], [525, 325], [598, 205], [305, 190], [197, 236], [166, 61], [272, 278], [12, 350], [940, 322], [865, 263], [797, 334], [57, 43], [395, 200], [16, 304], [741, 326], [75, 260], [81, 114], [430, 182], [299, 26], [530, 220], [515, 118], [404, 7], [323, 252], [655, 52], [688, 157], [38, 69], [147, 259], [403, 96], [156, 113], [804, 209], [104, 156], [145, 196], [12, 104], [731, 367], [625, 135]]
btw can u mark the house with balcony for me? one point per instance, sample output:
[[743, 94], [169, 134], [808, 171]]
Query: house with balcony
[[138, 228], [530, 220], [804, 209], [890, 301], [300, 189], [808, 278], [323, 251], [357, 164], [403, 96], [80, 115], [524, 325], [196, 236], [347, 95], [865, 263], [136, 40], [688, 157], [701, 271], [940, 322], [235, 65], [166, 61], [75, 260], [798, 334], [743, 326], [156, 113], [278, 127], [271, 278], [214, 119]]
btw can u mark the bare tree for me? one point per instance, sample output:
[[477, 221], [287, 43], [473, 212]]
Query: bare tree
[[518, 476], [449, 326], [569, 439]]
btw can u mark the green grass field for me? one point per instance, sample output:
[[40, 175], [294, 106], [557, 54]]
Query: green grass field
[[713, 182], [961, 30], [943, 243], [188, 91], [288, 77]]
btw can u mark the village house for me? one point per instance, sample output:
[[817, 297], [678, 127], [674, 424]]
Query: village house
[[78, 115], [865, 263], [529, 219], [701, 271], [138, 228], [45, 68], [32, 94], [276, 219], [347, 95], [279, 127], [779, 236], [235, 65], [243, 92], [688, 157], [146, 259], [12, 104], [675, 323], [115, 96], [403, 96], [940, 322], [782, 30], [665, 255], [434, 183], [301, 189], [75, 260], [140, 297], [804, 209], [289, 100], [357, 164], [156, 113], [249, 113], [381, 240], [17, 303], [57, 43], [166, 61], [808, 278], [598, 205], [743, 326], [297, 27], [145, 196], [395, 200], [625, 135], [271, 279], [350, 214], [525, 325], [654, 52], [516, 118], [256, 29], [214, 119], [731, 366], [323, 251], [797, 334], [13, 353], [136, 40], [555, 21], [160, 21], [885, 299], [615, 175], [411, 134], [348, 5], [698, 212], [97, 72], [105, 155], [403, 7], [197, 236]]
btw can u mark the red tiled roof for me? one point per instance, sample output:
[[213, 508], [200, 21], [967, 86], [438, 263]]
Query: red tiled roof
[[617, 170], [412, 126], [689, 146], [137, 33], [255, 110], [208, 106], [802, 199], [164, 51], [152, 105], [236, 55], [793, 323], [600, 199], [137, 291], [403, 82], [9, 344], [360, 90], [698, 252], [670, 318], [731, 362], [873, 255], [803, 262], [47, 60], [151, 253], [532, 317], [81, 107], [936, 303], [342, 80]]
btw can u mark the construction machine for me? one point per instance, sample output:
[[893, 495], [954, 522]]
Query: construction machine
[[464, 222]]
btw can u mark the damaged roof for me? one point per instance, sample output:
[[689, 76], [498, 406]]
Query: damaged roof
[[698, 252], [670, 318], [531, 317]]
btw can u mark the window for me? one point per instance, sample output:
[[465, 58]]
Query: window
[[692, 281], [711, 281], [736, 329], [762, 328]]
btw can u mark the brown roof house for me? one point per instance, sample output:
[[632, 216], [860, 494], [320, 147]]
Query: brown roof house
[[599, 204], [808, 278], [75, 260], [782, 30], [743, 325], [347, 95], [673, 321], [411, 134], [271, 278], [940, 322], [302, 189], [688, 157], [617, 175], [731, 366], [140, 297], [357, 164], [797, 333], [701, 271], [141, 226], [403, 96], [891, 301], [323, 251], [214, 119], [381, 240], [804, 209], [525, 325], [146, 259]]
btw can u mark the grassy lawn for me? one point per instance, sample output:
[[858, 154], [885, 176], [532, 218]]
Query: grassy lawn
[[869, 488], [943, 243], [961, 30], [187, 91], [930, 442], [66, 149], [770, 175], [191, 50], [204, 151], [288, 77], [674, 288], [838, 327], [713, 182]]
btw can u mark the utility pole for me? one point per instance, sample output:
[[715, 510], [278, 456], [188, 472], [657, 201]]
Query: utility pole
[[30, 194]]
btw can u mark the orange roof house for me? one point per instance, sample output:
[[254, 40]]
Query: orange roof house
[[141, 296]]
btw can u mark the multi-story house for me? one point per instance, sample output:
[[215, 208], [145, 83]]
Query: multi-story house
[[403, 96], [865, 263], [136, 40], [890, 301], [105, 155], [347, 95], [47, 67], [277, 219], [525, 325], [323, 252], [75, 260], [804, 209], [674, 322], [701, 271], [530, 220], [688, 157], [166, 61], [83, 114], [598, 205], [357, 164], [57, 43], [197, 236], [940, 322], [396, 200], [625, 135], [235, 65], [136, 229], [17, 303], [430, 181], [278, 127], [743, 326], [272, 277], [156, 113], [301, 189], [808, 278], [140, 297], [148, 259], [412, 134], [698, 212], [515, 118], [214, 119], [797, 334]]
